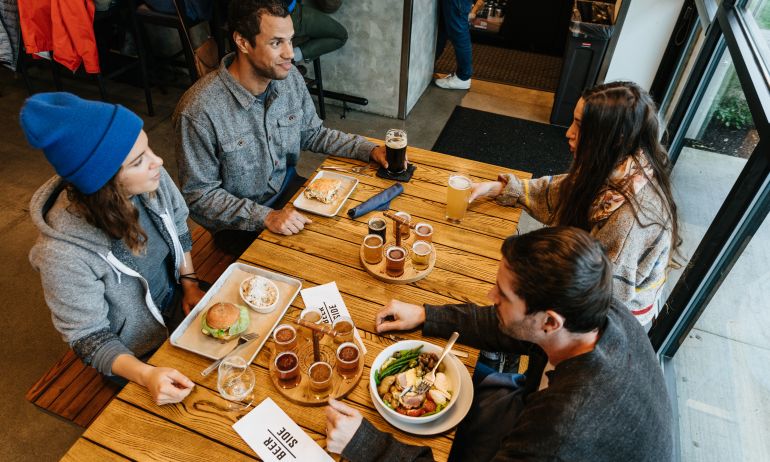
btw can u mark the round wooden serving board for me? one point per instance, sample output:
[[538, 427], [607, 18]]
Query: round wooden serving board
[[410, 274], [301, 394]]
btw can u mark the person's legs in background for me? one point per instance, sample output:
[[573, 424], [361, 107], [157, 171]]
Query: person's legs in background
[[441, 36], [323, 33], [454, 14]]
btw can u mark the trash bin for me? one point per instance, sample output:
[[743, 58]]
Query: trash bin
[[590, 30]]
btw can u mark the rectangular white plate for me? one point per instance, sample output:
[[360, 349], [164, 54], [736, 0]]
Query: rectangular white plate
[[226, 289], [327, 210]]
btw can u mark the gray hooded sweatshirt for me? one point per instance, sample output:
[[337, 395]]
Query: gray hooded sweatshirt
[[99, 302]]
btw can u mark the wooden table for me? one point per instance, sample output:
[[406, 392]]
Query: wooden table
[[132, 426]]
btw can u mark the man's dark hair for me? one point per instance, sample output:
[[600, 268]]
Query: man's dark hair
[[563, 269], [244, 16]]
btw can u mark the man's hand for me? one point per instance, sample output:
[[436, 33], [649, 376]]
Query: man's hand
[[342, 422], [399, 316], [166, 385], [379, 155], [286, 221]]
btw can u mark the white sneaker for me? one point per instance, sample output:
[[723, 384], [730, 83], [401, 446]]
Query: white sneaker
[[452, 82]]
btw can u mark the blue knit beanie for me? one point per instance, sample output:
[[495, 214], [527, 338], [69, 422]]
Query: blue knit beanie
[[85, 141]]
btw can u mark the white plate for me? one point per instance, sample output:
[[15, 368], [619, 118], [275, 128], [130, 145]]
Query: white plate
[[227, 289], [327, 210], [452, 417]]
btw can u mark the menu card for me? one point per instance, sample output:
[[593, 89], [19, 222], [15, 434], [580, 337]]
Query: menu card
[[276, 438], [328, 300]]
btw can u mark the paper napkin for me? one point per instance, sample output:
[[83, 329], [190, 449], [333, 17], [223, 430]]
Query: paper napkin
[[328, 300], [276, 438]]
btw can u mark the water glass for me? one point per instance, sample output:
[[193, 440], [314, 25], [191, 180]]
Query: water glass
[[236, 380]]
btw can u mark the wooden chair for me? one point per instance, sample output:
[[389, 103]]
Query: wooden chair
[[77, 392]]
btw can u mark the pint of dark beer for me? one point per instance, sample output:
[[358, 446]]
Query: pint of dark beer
[[395, 148]]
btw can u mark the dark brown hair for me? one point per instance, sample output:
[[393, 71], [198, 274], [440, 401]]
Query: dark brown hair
[[618, 119], [563, 269], [110, 210], [244, 16]]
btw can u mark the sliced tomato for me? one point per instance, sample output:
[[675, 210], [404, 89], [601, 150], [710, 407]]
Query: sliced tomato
[[429, 405], [415, 412]]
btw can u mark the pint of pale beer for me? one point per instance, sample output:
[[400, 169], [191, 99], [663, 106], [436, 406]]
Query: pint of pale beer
[[458, 193], [395, 150]]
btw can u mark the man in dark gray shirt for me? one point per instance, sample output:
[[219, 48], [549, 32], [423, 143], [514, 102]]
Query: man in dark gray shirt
[[603, 397], [240, 129]]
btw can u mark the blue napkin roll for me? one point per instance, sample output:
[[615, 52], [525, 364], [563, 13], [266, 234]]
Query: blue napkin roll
[[380, 201]]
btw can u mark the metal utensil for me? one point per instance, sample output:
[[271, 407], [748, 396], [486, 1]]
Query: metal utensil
[[355, 169], [429, 378], [243, 341]]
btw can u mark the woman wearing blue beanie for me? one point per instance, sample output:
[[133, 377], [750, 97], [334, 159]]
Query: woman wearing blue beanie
[[114, 248]]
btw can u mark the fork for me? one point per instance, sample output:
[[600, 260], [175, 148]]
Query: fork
[[355, 169], [242, 340], [429, 378]]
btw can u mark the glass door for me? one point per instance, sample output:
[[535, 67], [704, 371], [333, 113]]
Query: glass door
[[713, 334]]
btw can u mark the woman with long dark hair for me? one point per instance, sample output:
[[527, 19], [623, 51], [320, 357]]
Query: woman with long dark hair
[[114, 248], [617, 188]]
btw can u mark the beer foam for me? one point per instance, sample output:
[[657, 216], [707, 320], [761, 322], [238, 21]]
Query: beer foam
[[396, 142], [459, 182]]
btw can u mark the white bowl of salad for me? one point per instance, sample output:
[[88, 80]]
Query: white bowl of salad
[[402, 365]]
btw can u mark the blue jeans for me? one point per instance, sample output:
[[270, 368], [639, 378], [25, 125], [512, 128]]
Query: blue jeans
[[453, 25]]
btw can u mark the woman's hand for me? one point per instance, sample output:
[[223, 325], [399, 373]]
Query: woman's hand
[[191, 295], [398, 315], [166, 385], [487, 188]]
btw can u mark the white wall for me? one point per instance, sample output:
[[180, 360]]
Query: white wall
[[643, 39]]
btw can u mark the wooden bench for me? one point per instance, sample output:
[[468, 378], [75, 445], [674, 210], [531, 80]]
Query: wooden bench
[[77, 392]]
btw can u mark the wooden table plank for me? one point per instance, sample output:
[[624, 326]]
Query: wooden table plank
[[349, 280], [86, 451], [140, 435], [480, 253], [439, 281]]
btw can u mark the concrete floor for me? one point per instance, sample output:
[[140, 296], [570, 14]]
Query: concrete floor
[[31, 345]]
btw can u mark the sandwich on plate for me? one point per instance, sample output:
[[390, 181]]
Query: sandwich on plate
[[324, 190], [225, 321]]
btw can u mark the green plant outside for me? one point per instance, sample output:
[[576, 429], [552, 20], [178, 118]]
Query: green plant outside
[[732, 110]]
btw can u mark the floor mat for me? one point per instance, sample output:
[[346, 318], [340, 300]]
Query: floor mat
[[506, 141], [510, 67]]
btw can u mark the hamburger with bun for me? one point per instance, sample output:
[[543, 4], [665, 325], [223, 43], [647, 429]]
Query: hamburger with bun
[[225, 321]]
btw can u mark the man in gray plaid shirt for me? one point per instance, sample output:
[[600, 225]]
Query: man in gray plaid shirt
[[240, 130]]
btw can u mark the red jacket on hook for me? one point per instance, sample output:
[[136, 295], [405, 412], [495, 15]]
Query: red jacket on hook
[[65, 27]]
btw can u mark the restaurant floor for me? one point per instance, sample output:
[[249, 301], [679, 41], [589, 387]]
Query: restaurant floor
[[30, 345]]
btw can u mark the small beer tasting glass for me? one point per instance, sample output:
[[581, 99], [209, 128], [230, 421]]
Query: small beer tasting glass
[[321, 375], [344, 328], [372, 248], [285, 337], [287, 367], [348, 357], [395, 257]]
